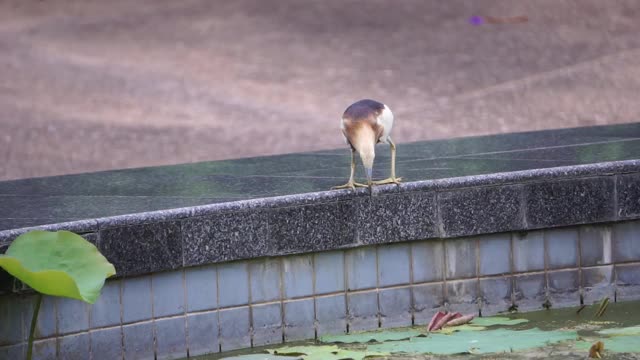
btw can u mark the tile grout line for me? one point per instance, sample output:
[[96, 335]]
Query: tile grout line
[[185, 312], [282, 296], [579, 255], [345, 257], [545, 255], [121, 303], [313, 295], [249, 304], [445, 291], [153, 318], [411, 288], [479, 295], [218, 307], [379, 314], [512, 269]]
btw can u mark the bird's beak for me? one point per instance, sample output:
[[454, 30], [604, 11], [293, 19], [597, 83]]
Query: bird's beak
[[369, 175]]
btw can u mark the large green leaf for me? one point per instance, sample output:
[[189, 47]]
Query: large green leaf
[[372, 336], [497, 320], [261, 357], [626, 331], [478, 342], [303, 350], [325, 352], [58, 263]]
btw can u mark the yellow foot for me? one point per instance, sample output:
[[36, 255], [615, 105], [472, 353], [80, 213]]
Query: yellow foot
[[390, 180], [349, 185]]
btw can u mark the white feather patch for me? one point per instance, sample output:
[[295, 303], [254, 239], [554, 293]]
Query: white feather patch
[[385, 119]]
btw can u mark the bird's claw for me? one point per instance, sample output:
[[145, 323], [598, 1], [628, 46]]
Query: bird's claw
[[391, 180], [350, 185]]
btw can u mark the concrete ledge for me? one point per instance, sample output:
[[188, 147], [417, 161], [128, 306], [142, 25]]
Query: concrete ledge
[[294, 224]]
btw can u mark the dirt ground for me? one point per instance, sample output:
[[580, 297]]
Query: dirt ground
[[94, 85]]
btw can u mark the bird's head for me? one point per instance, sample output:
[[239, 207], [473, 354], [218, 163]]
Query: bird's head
[[364, 141]]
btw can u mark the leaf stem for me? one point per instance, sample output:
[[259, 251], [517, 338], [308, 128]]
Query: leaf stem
[[34, 321]]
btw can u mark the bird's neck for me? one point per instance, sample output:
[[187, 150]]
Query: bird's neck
[[364, 141]]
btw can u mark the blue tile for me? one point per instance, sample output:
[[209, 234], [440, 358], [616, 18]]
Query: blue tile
[[74, 347], [202, 288], [395, 307], [562, 248], [460, 258], [13, 351], [329, 269], [46, 324], [203, 333], [136, 299], [625, 241], [299, 318], [530, 292], [168, 293], [265, 280], [105, 311], [495, 254], [528, 251], [361, 268], [394, 265], [234, 329], [138, 341], [427, 300], [564, 288], [298, 276], [595, 245], [233, 284], [462, 296], [363, 311], [597, 283], [331, 314], [428, 261], [627, 282], [496, 295], [267, 324], [73, 315], [45, 349], [628, 275], [11, 327], [26, 304], [106, 344], [171, 338]]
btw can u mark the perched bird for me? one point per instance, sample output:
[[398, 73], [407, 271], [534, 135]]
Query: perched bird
[[364, 124]]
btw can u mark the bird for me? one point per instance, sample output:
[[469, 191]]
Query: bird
[[364, 124]]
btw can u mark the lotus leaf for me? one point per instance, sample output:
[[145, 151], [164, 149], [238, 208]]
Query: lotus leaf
[[497, 320], [372, 336], [325, 352], [58, 263], [261, 357], [477, 342], [626, 331]]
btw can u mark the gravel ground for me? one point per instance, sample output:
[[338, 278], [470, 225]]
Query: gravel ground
[[95, 85]]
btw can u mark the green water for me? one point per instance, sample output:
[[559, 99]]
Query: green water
[[617, 315]]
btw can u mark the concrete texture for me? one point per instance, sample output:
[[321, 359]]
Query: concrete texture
[[94, 85]]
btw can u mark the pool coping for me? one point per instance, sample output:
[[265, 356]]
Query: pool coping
[[321, 221]]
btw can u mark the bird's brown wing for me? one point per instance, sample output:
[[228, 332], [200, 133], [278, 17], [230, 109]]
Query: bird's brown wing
[[352, 126]]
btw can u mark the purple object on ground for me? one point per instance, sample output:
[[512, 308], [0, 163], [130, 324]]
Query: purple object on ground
[[475, 20]]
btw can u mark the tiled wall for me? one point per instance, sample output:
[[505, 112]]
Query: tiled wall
[[267, 301]]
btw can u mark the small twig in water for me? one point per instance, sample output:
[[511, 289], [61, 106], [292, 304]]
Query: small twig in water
[[603, 307]]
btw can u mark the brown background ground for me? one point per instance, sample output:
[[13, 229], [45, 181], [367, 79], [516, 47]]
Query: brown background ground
[[93, 85]]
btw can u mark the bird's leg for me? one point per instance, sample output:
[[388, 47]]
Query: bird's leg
[[351, 184], [393, 179]]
